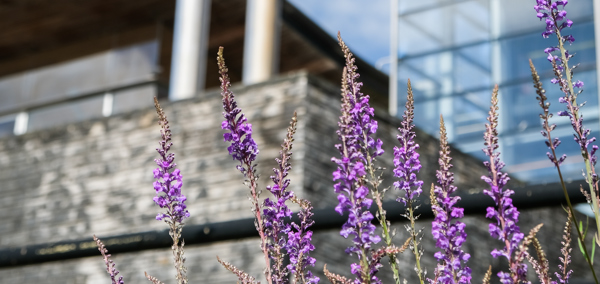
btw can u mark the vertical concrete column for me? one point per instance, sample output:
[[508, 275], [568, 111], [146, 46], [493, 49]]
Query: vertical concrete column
[[596, 4], [262, 40], [190, 47], [393, 92], [496, 8]]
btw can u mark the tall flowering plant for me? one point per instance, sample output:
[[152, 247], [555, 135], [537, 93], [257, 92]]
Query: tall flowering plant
[[553, 13], [506, 215], [168, 194], [278, 237], [354, 134], [167, 186], [449, 234], [287, 246], [243, 149], [406, 167]]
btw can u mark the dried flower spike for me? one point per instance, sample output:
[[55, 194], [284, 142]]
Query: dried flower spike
[[110, 265], [565, 259], [243, 277]]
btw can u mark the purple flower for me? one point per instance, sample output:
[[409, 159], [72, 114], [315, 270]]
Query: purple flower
[[506, 215], [299, 245], [276, 210], [406, 167], [243, 149], [355, 129], [555, 18], [168, 183], [406, 158], [449, 235]]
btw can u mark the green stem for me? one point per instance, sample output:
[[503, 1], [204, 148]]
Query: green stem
[[414, 241], [382, 218], [584, 154]]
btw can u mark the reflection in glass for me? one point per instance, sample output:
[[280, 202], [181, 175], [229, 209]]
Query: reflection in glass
[[448, 50]]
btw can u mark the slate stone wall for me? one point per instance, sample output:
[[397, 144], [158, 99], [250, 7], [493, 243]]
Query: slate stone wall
[[95, 177]]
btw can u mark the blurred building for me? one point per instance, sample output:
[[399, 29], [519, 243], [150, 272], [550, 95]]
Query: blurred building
[[64, 62], [78, 132], [454, 52]]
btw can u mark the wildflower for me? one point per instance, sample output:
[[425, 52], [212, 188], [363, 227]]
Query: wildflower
[[243, 149], [299, 245], [276, 210], [555, 18], [556, 21], [168, 183], [449, 235], [355, 129], [406, 165], [168, 193], [506, 215]]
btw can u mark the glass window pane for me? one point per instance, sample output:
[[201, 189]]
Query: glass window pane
[[447, 49]]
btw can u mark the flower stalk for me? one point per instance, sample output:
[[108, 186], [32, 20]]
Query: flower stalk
[[168, 194], [406, 167], [449, 235], [552, 144], [357, 150], [506, 215], [243, 148], [556, 20]]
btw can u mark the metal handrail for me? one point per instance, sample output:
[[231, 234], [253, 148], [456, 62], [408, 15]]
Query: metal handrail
[[38, 105], [526, 197]]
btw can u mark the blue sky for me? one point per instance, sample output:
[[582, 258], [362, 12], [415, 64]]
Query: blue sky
[[364, 25]]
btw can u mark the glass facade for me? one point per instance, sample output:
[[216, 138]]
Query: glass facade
[[455, 51]]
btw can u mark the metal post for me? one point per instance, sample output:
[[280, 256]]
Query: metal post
[[393, 95], [496, 9], [190, 47], [21, 123], [107, 104], [596, 4], [262, 40]]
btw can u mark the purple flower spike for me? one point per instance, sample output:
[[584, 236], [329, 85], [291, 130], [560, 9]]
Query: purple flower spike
[[243, 149], [449, 235], [555, 18], [276, 210], [168, 194], [168, 183], [355, 129], [506, 215], [299, 245], [406, 158]]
